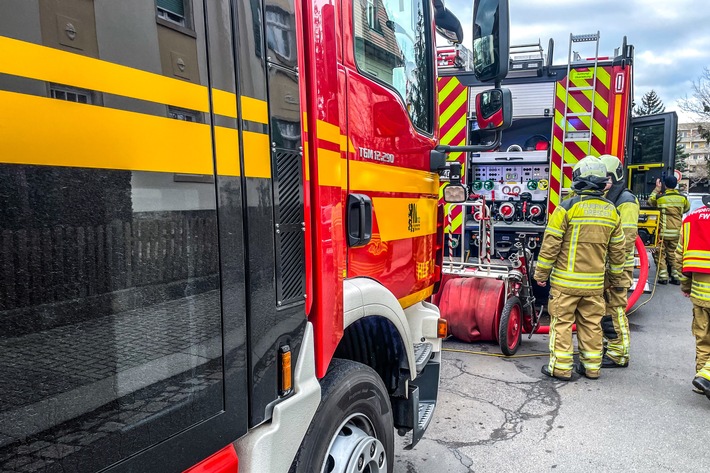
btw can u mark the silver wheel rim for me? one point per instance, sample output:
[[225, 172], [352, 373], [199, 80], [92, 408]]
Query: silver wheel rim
[[355, 449]]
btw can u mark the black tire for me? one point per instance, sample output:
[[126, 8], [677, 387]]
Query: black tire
[[348, 389], [512, 314]]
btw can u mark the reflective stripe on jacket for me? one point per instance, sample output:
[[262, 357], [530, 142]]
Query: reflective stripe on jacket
[[693, 249], [581, 233], [694, 283], [628, 207], [672, 205]]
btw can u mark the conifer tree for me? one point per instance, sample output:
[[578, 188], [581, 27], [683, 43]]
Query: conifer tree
[[651, 104]]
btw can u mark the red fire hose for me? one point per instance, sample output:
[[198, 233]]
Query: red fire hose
[[638, 290], [643, 275]]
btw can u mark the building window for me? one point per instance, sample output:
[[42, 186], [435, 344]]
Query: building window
[[279, 32], [372, 14], [695, 145], [393, 46], [70, 94], [172, 11]]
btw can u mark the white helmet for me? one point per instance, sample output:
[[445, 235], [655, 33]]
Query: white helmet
[[589, 174], [613, 167]]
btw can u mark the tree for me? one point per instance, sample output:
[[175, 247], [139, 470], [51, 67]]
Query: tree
[[698, 179], [699, 103], [651, 104]]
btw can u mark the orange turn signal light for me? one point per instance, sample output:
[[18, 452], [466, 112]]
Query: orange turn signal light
[[286, 378], [442, 328]]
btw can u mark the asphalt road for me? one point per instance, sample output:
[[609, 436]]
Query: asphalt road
[[502, 415]]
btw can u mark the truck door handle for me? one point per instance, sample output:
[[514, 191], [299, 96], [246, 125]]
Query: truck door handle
[[359, 220]]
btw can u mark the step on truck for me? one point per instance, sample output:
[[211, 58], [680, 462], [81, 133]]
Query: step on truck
[[220, 226]]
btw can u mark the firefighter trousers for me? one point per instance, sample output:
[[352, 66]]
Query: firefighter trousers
[[701, 330], [587, 312], [667, 266], [615, 325]]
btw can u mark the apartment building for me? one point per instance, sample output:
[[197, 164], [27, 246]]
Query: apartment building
[[699, 154]]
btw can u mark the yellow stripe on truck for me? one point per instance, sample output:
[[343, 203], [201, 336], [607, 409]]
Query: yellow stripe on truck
[[227, 146], [328, 132], [33, 61], [412, 299], [224, 103], [365, 176], [401, 218], [254, 110], [257, 155], [331, 168], [49, 132]]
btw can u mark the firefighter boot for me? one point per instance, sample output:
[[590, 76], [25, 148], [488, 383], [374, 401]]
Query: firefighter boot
[[701, 386], [546, 371], [579, 368], [609, 363]]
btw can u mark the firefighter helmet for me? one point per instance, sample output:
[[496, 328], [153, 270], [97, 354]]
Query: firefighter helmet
[[589, 174], [613, 167]]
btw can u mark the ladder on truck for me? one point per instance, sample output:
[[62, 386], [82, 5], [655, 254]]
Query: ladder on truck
[[575, 135]]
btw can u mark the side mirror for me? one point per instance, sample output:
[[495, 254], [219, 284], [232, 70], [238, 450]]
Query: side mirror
[[447, 25], [491, 39], [494, 109]]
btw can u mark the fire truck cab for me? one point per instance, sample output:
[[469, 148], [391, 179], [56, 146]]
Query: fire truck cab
[[219, 229]]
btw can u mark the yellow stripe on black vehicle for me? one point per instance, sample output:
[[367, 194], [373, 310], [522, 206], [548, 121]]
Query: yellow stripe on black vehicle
[[98, 137], [33, 61]]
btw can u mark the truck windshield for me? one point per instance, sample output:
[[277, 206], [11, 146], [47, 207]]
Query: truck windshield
[[392, 46]]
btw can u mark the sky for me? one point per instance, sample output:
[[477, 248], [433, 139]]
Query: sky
[[671, 37]]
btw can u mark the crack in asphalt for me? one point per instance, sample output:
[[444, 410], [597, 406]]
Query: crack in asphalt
[[542, 391]]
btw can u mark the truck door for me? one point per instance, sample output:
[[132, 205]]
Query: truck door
[[123, 341], [390, 130], [650, 151], [650, 155]]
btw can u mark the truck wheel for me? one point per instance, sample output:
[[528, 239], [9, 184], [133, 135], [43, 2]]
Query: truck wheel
[[352, 430], [510, 330]]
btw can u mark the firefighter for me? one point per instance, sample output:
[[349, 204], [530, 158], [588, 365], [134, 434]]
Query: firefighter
[[672, 205], [582, 233], [692, 255], [615, 325]]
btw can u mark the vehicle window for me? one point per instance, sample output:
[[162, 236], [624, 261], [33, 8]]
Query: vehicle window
[[695, 204], [648, 144], [392, 45]]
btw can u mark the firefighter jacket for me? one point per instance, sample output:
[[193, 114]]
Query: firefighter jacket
[[693, 255], [672, 205], [581, 234], [627, 205]]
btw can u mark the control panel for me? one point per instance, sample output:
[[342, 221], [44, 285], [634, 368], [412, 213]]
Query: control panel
[[515, 192]]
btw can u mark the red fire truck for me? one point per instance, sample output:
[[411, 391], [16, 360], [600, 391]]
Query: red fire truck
[[561, 113], [219, 231]]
